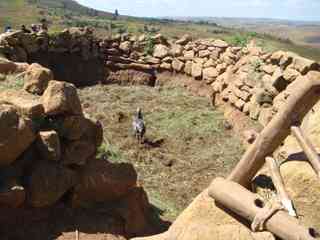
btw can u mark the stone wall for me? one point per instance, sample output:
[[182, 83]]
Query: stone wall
[[48, 154], [250, 79]]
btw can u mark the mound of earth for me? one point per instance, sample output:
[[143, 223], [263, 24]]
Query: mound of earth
[[204, 220]]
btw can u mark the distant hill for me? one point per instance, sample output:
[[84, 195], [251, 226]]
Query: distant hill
[[62, 14], [300, 32], [70, 5], [17, 12]]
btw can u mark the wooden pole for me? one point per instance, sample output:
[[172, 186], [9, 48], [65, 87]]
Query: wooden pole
[[248, 205], [302, 98], [279, 185], [308, 148]]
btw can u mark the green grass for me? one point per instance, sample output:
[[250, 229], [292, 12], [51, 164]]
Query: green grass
[[110, 152]]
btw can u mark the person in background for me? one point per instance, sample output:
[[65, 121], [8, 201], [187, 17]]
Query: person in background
[[24, 29]]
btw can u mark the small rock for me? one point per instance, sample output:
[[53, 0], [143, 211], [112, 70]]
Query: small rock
[[48, 144]]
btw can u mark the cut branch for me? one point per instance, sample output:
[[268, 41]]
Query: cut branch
[[308, 148], [279, 185]]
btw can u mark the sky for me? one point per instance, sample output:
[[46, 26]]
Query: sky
[[307, 10]]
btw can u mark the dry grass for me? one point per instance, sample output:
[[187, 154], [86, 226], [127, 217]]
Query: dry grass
[[186, 145]]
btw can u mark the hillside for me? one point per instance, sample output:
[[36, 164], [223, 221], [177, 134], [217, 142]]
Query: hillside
[[68, 13]]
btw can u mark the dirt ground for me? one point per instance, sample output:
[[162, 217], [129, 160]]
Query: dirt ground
[[186, 143]]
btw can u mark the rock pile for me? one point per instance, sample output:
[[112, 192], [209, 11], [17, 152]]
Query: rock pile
[[48, 149]]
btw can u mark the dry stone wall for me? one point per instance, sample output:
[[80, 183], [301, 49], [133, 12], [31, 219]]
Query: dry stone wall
[[250, 79], [48, 154]]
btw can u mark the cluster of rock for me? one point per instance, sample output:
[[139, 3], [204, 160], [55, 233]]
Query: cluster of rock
[[250, 79], [48, 149]]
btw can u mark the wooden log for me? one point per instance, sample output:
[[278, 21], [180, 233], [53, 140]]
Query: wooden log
[[247, 205], [135, 66], [302, 98], [277, 180], [308, 148]]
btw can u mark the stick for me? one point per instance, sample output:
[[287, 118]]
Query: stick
[[279, 185], [302, 98], [247, 205], [308, 148]]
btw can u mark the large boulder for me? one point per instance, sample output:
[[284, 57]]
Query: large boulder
[[102, 181], [61, 98], [49, 181], [16, 134], [37, 78], [204, 220], [160, 51], [27, 104]]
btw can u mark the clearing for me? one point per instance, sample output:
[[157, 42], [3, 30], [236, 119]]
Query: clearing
[[186, 143]]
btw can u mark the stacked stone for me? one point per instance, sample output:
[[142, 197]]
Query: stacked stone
[[250, 79], [257, 83], [18, 46]]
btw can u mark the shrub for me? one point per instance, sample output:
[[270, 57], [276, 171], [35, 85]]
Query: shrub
[[149, 47]]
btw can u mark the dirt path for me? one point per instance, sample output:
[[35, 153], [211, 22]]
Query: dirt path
[[186, 143]]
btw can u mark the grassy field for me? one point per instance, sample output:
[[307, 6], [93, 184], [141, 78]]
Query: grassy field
[[186, 145]]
